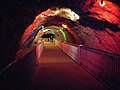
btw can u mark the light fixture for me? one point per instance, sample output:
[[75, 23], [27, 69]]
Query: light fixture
[[102, 3], [42, 15], [64, 26]]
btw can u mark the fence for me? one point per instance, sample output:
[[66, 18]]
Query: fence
[[104, 66], [70, 50], [19, 73]]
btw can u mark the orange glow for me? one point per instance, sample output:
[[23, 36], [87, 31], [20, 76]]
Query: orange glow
[[36, 17], [102, 3], [64, 26], [109, 12], [42, 15]]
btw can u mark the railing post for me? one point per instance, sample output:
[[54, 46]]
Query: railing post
[[39, 50], [79, 54]]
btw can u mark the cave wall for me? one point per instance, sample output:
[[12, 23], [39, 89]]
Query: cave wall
[[97, 28], [15, 17], [13, 23], [105, 27]]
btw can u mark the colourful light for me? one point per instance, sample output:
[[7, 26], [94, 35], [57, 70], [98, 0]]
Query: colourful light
[[102, 3], [64, 35], [53, 33], [64, 26], [36, 17]]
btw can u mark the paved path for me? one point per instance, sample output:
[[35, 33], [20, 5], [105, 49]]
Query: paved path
[[57, 71]]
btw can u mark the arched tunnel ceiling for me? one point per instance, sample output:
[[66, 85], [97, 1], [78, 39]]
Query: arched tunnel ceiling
[[95, 29], [57, 16], [109, 12], [58, 32], [98, 26]]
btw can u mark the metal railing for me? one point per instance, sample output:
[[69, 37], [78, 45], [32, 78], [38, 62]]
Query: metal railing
[[102, 65], [18, 74], [18, 59]]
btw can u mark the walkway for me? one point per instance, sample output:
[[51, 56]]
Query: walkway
[[57, 71]]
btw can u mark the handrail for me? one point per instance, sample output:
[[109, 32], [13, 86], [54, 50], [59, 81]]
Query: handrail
[[94, 49], [104, 52], [76, 45], [102, 65], [17, 59]]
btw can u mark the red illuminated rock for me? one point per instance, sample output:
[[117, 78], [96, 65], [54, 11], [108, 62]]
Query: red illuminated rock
[[109, 12]]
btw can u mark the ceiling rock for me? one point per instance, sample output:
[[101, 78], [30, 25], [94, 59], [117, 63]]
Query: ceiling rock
[[109, 12], [100, 25], [46, 17]]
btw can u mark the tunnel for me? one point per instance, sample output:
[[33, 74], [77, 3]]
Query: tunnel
[[88, 28]]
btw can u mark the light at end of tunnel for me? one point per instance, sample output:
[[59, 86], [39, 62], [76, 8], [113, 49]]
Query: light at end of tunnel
[[64, 26], [102, 3], [46, 30], [53, 33]]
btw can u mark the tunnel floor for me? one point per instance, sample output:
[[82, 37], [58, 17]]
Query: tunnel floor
[[57, 71]]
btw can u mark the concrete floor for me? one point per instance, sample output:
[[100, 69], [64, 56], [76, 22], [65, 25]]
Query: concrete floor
[[57, 71]]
